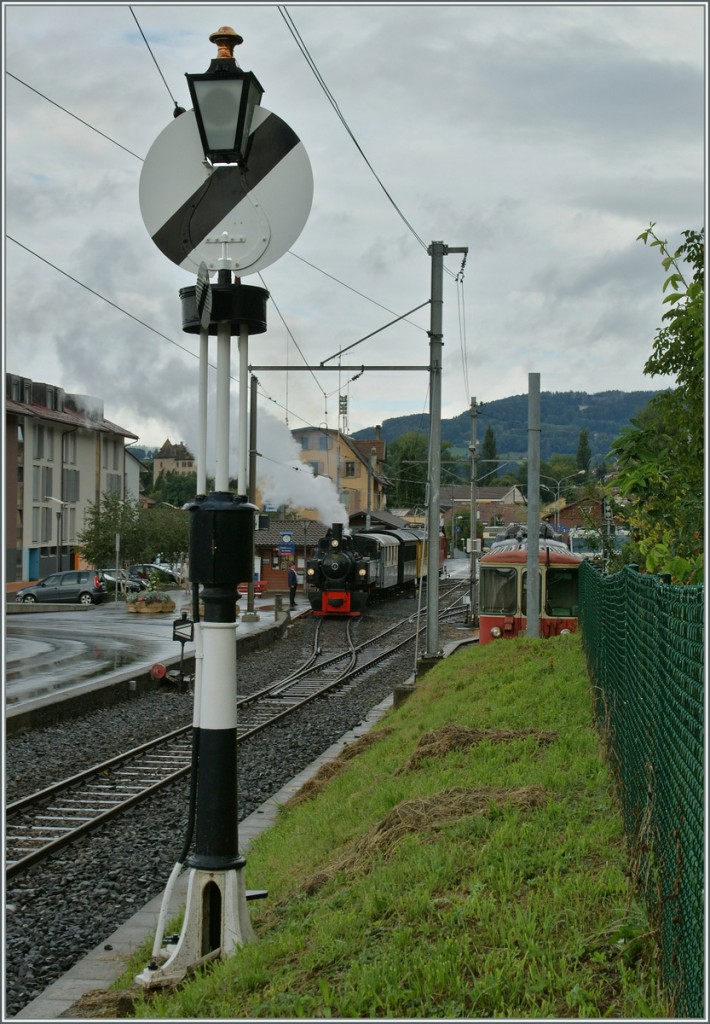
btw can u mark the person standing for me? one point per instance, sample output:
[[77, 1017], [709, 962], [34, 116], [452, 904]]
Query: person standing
[[292, 584]]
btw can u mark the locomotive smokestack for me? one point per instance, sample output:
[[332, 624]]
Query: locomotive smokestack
[[338, 532]]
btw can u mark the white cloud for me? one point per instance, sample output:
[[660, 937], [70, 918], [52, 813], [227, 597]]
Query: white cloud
[[543, 137]]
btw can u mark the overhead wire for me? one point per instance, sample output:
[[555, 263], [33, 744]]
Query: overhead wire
[[75, 116], [131, 316], [296, 35], [331, 99], [461, 305], [178, 109]]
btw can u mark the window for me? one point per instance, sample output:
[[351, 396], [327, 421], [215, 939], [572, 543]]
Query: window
[[561, 592], [324, 443], [49, 444], [113, 483], [47, 476], [70, 484], [315, 466], [71, 528], [35, 525], [38, 452], [116, 449], [350, 469], [37, 483], [305, 443], [104, 453], [46, 534], [69, 446], [498, 591]]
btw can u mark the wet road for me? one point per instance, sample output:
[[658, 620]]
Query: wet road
[[55, 651]]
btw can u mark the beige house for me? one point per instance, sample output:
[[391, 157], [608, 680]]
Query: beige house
[[355, 467], [173, 458]]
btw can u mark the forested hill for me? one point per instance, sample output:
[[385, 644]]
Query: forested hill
[[563, 415]]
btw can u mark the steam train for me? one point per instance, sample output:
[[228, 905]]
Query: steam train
[[502, 591], [347, 570]]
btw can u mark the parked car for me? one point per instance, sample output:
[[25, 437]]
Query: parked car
[[143, 571], [128, 583], [82, 586]]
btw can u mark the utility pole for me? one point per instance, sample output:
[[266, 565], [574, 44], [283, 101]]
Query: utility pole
[[474, 518], [533, 596], [437, 251]]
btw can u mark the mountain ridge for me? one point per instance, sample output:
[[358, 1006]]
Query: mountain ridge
[[563, 415]]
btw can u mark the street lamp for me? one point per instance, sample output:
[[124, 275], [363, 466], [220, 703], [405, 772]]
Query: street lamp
[[224, 98], [580, 472], [60, 516]]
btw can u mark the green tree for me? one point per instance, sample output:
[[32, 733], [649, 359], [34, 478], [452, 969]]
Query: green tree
[[104, 520], [488, 457], [407, 459], [584, 451], [660, 457], [144, 532], [176, 488]]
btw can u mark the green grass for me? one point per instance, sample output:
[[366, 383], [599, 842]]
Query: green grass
[[481, 881]]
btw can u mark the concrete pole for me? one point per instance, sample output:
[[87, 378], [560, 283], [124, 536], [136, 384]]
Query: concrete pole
[[436, 251], [533, 590], [474, 521], [242, 484], [223, 374], [202, 413], [251, 615], [370, 472]]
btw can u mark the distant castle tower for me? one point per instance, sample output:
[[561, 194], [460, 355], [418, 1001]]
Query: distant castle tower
[[173, 458]]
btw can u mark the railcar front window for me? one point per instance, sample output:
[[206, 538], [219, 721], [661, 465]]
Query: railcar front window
[[562, 592], [498, 591]]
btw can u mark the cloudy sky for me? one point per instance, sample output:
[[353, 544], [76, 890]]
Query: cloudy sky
[[544, 138]]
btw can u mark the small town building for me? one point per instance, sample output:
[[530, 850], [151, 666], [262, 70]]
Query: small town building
[[355, 467], [61, 454]]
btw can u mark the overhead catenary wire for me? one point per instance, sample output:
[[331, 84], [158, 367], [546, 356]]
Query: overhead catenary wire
[[136, 156], [178, 109], [331, 99]]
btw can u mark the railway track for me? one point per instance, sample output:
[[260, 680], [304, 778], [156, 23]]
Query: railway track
[[40, 824]]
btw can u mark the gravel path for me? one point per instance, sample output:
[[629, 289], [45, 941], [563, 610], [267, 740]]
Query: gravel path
[[60, 910]]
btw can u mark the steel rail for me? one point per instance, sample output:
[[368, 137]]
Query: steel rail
[[78, 804]]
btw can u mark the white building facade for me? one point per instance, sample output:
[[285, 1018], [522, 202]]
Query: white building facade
[[60, 455]]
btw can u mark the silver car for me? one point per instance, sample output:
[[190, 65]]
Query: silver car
[[79, 586]]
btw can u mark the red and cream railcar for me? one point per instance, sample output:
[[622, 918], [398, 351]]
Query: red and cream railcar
[[502, 597]]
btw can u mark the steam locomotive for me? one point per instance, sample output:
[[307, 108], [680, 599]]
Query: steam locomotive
[[503, 587], [347, 570]]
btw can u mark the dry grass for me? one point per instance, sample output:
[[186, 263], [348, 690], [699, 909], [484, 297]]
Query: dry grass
[[423, 816], [440, 742]]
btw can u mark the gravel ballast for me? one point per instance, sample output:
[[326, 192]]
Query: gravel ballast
[[61, 909]]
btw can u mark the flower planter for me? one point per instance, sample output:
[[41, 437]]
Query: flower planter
[[151, 607]]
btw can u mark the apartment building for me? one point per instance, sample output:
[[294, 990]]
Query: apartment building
[[60, 454]]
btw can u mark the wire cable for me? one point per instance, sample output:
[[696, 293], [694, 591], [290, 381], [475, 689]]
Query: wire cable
[[331, 99], [178, 110], [75, 116]]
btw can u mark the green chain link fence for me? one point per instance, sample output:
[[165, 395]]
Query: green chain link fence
[[643, 641]]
